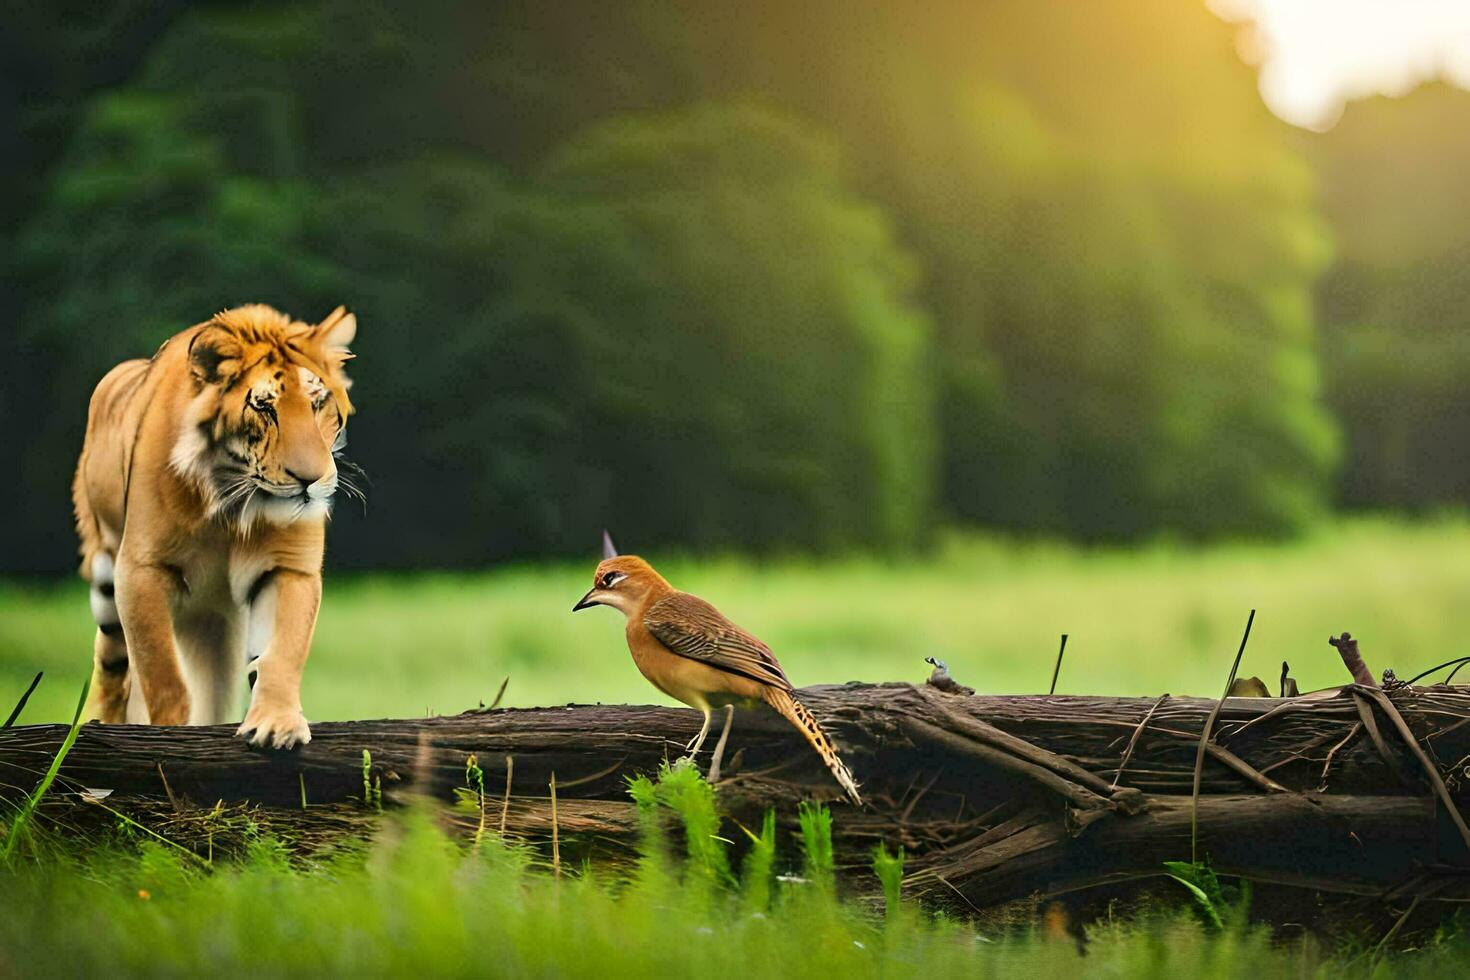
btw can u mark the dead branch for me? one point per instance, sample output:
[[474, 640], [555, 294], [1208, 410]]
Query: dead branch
[[994, 798]]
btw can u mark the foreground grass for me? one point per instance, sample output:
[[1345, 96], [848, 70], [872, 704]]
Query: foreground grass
[[413, 902], [1142, 621]]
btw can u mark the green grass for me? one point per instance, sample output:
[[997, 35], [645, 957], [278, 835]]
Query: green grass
[[1142, 621], [414, 902]]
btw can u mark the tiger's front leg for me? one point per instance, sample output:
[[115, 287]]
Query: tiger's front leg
[[143, 593], [282, 621]]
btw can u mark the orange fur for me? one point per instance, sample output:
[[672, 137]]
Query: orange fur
[[201, 497]]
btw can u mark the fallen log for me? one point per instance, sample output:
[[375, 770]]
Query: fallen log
[[993, 798]]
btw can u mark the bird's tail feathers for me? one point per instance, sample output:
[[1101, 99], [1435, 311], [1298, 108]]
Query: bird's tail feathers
[[806, 723]]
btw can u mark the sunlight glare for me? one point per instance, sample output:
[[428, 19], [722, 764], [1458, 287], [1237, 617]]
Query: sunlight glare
[[1316, 55]]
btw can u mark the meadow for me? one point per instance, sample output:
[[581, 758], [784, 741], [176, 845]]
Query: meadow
[[413, 902], [1161, 618], [1141, 620]]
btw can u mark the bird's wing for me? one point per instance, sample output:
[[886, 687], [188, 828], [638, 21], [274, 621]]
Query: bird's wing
[[693, 628]]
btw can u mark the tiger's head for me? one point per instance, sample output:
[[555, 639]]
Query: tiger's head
[[268, 417]]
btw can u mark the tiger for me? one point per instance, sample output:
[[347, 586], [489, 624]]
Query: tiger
[[201, 496]]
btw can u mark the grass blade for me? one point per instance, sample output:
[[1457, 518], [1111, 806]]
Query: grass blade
[[1204, 740], [20, 705], [34, 800], [1208, 912], [816, 843], [889, 869]]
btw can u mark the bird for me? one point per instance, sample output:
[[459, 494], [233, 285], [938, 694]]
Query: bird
[[687, 649]]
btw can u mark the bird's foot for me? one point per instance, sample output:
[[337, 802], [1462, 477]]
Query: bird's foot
[[718, 756]]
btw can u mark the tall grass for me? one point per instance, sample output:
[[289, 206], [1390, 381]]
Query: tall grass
[[417, 903], [18, 828]]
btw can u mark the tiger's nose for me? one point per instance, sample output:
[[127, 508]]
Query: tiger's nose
[[305, 479]]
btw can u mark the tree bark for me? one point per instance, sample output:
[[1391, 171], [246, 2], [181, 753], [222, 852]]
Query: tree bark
[[993, 798]]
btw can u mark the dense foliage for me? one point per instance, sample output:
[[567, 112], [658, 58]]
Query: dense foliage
[[1396, 304], [784, 277]]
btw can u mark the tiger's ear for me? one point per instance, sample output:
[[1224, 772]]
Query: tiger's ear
[[215, 355], [337, 331]]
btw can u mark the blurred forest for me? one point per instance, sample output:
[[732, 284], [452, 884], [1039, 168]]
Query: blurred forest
[[769, 276]]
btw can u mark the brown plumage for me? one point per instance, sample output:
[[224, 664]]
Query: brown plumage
[[690, 651]]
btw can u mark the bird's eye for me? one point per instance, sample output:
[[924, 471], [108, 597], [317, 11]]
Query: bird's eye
[[609, 580]]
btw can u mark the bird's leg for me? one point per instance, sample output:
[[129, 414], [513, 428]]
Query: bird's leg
[[694, 744], [719, 753]]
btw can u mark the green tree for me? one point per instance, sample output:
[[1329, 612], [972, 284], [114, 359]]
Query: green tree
[[684, 326], [663, 268], [761, 285], [1120, 246], [1396, 304]]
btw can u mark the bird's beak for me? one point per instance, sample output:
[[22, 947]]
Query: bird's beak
[[587, 601]]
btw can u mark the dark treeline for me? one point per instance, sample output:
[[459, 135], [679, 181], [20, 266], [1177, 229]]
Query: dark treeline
[[771, 276], [1395, 305]]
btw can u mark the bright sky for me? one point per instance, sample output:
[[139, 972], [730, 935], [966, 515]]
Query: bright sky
[[1315, 55]]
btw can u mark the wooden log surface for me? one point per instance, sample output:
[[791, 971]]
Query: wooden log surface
[[994, 798]]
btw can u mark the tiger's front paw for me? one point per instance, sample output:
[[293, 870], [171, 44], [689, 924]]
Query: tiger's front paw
[[274, 726]]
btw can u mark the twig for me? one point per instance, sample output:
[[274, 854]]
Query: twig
[[1298, 753], [568, 784], [206, 861], [423, 760], [1278, 709], [1288, 684], [1457, 663], [1387, 936], [173, 802], [946, 882], [510, 764], [1133, 739], [1242, 768], [1220, 754], [1347, 648], [1058, 668], [1327, 764], [555, 839], [1370, 725], [1445, 731], [484, 708], [1429, 769], [908, 811], [1204, 738], [1077, 795], [20, 705], [982, 731]]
